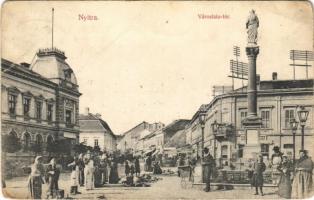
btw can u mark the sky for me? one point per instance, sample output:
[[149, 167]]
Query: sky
[[155, 61]]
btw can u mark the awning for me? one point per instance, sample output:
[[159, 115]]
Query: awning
[[150, 152]]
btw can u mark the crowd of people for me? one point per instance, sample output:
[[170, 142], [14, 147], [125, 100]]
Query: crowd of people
[[293, 180], [89, 170]]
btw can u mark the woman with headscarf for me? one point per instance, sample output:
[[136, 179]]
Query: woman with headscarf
[[35, 180], [89, 172], [52, 178], [284, 187], [113, 175], [302, 181]]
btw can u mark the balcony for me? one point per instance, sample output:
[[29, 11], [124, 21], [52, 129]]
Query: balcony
[[223, 132]]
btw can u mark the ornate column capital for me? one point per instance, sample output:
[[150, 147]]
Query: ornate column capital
[[252, 51]]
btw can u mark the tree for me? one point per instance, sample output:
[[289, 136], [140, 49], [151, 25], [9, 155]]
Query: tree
[[11, 143], [80, 148]]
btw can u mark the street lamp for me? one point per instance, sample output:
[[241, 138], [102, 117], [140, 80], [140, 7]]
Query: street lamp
[[202, 116], [302, 114], [294, 127], [215, 127]]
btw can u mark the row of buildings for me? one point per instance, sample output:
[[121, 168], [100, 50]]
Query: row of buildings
[[277, 103]]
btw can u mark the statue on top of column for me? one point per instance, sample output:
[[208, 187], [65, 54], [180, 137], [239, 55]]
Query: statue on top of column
[[252, 24]]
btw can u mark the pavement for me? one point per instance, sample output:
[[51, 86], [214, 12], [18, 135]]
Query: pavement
[[167, 188]]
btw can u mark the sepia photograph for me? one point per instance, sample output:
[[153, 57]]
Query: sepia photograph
[[157, 100]]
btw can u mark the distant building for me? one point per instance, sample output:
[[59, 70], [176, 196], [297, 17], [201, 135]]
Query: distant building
[[158, 138], [96, 132], [277, 103], [40, 101], [130, 139]]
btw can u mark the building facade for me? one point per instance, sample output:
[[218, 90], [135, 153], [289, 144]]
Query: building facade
[[131, 140], [277, 102], [40, 101], [96, 132]]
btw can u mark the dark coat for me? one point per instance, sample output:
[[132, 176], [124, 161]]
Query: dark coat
[[52, 178], [208, 165], [137, 166], [257, 179]]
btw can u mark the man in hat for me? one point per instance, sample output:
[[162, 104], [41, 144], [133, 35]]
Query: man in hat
[[207, 164], [302, 181]]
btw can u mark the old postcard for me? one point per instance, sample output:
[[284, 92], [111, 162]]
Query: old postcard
[[157, 100]]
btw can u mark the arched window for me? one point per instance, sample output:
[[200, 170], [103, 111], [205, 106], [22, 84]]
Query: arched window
[[39, 140], [26, 141]]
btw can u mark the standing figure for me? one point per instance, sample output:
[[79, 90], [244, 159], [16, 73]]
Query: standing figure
[[113, 176], [126, 168], [207, 165], [252, 24], [257, 180], [276, 159], [81, 169], [104, 168], [180, 162], [74, 176], [137, 166], [97, 171], [302, 181], [149, 163], [35, 179], [52, 178], [284, 187], [89, 174]]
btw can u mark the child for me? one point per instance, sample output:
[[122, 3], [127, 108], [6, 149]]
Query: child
[[257, 180]]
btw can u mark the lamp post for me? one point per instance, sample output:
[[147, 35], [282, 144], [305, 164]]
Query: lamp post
[[215, 129], [202, 116], [294, 127], [302, 114]]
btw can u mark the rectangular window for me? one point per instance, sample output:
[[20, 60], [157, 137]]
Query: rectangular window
[[12, 104], [38, 110], [265, 115], [49, 112], [224, 151], [265, 149], [240, 150], [243, 115], [68, 116], [96, 142], [26, 106], [289, 115]]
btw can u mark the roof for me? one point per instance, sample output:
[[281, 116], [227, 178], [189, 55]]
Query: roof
[[51, 64], [93, 123], [177, 140], [13, 68]]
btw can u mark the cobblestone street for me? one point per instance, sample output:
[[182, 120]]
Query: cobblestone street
[[167, 188]]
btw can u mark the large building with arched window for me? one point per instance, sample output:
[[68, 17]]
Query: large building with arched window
[[40, 102]]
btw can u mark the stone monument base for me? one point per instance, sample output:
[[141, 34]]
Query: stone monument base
[[251, 151]]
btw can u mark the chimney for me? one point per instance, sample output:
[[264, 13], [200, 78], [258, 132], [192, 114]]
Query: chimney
[[274, 75], [86, 110], [26, 65]]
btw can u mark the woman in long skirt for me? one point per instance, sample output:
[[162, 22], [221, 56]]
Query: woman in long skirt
[[89, 175], [284, 187], [302, 182], [35, 180], [113, 176]]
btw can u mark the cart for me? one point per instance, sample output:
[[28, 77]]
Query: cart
[[187, 176]]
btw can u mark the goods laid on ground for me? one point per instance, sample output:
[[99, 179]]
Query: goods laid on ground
[[144, 180]]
